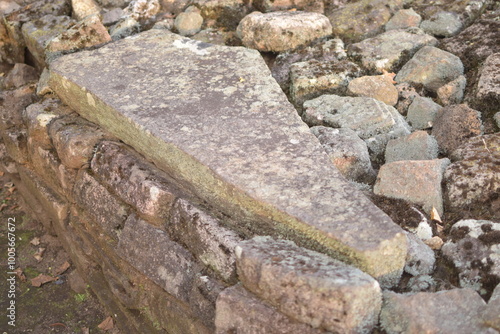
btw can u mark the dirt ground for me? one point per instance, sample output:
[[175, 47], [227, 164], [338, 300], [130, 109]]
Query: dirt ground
[[62, 305]]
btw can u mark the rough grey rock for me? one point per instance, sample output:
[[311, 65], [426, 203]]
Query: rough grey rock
[[488, 86], [277, 5], [420, 259], [188, 23], [452, 311], [468, 10], [112, 16], [103, 207], [373, 121], [12, 104], [287, 177], [312, 78], [309, 286], [417, 181], [359, 20], [74, 140], [205, 237], [417, 146], [442, 24], [474, 249], [20, 75], [407, 93], [422, 113], [347, 151], [452, 92], [38, 116], [329, 50], [473, 180], [421, 283], [136, 182], [38, 33], [431, 67], [142, 10], [491, 315], [125, 27], [83, 8], [42, 88], [151, 251], [282, 31], [454, 124], [390, 50], [402, 19], [15, 140], [241, 311], [496, 117], [380, 87], [8, 6]]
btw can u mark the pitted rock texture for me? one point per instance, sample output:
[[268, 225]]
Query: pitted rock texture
[[422, 113], [155, 101], [282, 31], [417, 146], [404, 18], [380, 87], [442, 24]]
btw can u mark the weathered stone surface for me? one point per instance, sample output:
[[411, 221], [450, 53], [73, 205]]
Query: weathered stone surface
[[468, 10], [125, 27], [86, 33], [42, 88], [442, 24], [151, 251], [112, 16], [282, 31], [188, 23], [452, 92], [222, 14], [390, 50], [38, 116], [114, 3], [143, 10], [163, 122], [8, 6], [453, 311], [473, 180], [135, 181], [74, 139], [277, 5], [488, 86], [15, 140], [373, 121], [407, 93], [309, 286], [330, 50], [380, 87], [240, 311], [347, 151], [431, 67], [20, 75], [312, 78], [417, 146], [496, 117], [12, 104], [402, 19], [417, 181], [204, 236], [362, 19], [102, 206], [491, 315], [420, 259], [202, 298], [7, 165], [474, 249], [83, 8], [422, 112], [454, 124]]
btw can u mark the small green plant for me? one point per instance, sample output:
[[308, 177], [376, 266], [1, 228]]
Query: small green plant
[[80, 297]]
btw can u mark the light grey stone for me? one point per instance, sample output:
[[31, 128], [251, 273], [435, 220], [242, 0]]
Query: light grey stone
[[431, 67], [421, 283], [347, 151], [388, 51], [452, 92], [112, 16], [188, 23], [151, 251], [42, 88], [373, 121], [442, 24], [402, 19], [474, 249], [83, 8], [241, 311], [453, 311], [142, 10], [417, 181], [154, 102], [422, 112], [420, 259], [417, 146], [309, 286], [282, 31]]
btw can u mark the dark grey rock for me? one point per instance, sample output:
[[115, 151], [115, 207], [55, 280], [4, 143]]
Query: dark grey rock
[[422, 112], [442, 24], [12, 104], [309, 286]]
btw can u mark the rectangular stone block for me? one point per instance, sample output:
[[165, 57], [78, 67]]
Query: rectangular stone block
[[162, 260], [202, 298], [15, 140], [102, 206], [134, 180], [203, 235], [309, 286], [239, 311], [214, 119]]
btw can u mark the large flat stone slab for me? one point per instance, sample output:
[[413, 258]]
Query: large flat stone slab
[[215, 119]]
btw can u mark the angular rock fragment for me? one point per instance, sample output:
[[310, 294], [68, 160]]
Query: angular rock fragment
[[417, 181], [38, 116], [422, 113], [15, 140], [452, 92], [402, 19], [380, 87], [420, 259], [417, 146], [20, 75], [282, 31], [84, 8], [488, 86], [431, 67], [442, 24], [277, 5], [309, 286], [142, 10], [390, 50]]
